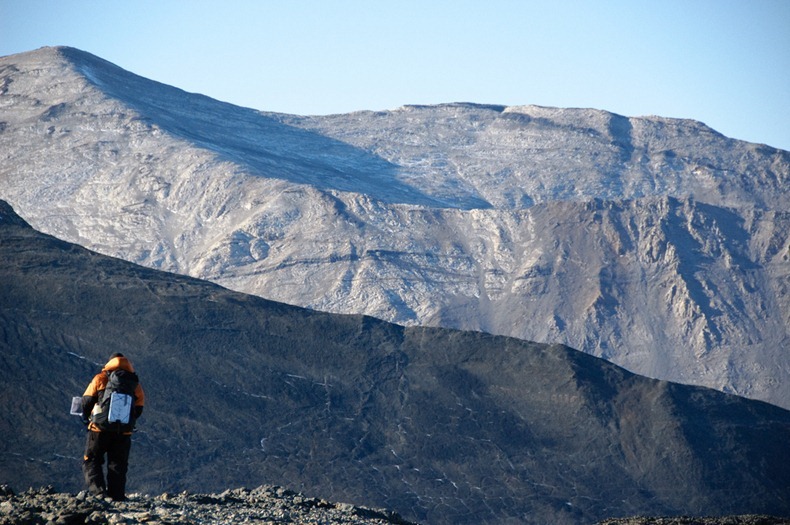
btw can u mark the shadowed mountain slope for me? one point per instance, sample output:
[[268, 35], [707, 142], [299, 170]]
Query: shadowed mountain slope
[[442, 426]]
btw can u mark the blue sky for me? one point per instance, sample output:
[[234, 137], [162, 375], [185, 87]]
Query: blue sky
[[723, 62]]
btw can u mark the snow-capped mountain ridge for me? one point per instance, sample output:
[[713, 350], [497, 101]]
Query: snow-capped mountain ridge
[[655, 242]]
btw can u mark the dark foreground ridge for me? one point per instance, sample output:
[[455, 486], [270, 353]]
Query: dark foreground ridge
[[263, 505], [445, 427], [750, 519]]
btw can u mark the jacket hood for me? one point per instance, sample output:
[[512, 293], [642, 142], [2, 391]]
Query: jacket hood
[[118, 362]]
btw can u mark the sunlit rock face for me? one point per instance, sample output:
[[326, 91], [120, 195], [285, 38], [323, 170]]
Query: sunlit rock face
[[656, 243]]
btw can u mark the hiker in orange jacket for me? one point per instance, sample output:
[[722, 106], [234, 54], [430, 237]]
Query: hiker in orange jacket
[[105, 437]]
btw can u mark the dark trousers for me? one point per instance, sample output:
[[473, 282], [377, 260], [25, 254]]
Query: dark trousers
[[116, 446]]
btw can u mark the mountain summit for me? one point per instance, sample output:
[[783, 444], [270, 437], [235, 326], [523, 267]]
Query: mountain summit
[[656, 243]]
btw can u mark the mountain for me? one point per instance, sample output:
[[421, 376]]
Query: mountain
[[656, 243], [442, 426]]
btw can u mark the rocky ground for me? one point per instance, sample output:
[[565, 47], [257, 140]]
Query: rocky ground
[[263, 505], [724, 520]]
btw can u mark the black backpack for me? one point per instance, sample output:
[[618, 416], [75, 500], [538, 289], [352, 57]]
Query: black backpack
[[114, 410]]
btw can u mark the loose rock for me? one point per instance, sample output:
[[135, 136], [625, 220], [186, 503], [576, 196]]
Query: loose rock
[[262, 505], [685, 520]]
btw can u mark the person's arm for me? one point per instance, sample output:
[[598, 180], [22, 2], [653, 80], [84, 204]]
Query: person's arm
[[89, 400]]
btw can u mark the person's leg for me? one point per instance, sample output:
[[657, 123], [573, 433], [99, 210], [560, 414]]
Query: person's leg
[[117, 465], [93, 461]]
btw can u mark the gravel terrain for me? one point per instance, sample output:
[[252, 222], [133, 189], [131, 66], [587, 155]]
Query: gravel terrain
[[262, 505]]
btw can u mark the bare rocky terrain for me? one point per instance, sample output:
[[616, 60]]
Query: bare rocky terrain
[[688, 520], [264, 505], [442, 426], [657, 244]]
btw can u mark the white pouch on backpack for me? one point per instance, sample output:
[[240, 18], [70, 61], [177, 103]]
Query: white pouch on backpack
[[120, 408]]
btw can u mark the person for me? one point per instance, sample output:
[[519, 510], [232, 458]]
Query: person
[[114, 442]]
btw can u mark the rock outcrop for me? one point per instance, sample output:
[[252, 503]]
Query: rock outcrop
[[264, 505]]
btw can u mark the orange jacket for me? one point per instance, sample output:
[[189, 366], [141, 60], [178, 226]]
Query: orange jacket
[[99, 383]]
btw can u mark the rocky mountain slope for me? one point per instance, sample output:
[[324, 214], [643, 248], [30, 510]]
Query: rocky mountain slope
[[657, 244], [442, 426]]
